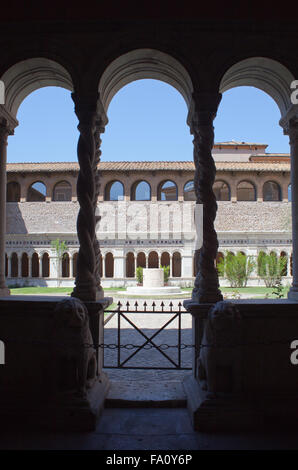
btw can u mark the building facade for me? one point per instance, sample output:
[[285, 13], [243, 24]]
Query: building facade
[[147, 216]]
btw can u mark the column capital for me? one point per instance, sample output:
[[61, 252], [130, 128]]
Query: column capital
[[203, 109], [292, 131], [5, 130], [90, 111], [7, 122], [289, 119]]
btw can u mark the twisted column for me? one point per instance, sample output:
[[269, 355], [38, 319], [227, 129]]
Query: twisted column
[[7, 125], [96, 246], [87, 283], [291, 128], [206, 286]]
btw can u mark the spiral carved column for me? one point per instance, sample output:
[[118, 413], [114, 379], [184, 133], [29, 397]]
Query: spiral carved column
[[98, 130], [7, 126], [206, 286], [291, 129], [87, 283]]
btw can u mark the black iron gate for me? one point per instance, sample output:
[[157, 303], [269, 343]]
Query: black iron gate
[[124, 313]]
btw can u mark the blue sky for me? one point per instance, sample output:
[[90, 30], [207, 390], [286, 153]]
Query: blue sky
[[147, 121]]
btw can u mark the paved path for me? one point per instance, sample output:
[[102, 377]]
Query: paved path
[[142, 384]]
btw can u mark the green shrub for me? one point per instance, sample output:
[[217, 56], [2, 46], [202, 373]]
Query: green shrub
[[236, 268], [271, 268], [139, 274], [166, 273]]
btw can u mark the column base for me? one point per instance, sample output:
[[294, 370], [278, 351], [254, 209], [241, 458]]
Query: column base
[[85, 294], [206, 297], [221, 412], [4, 292], [293, 293]]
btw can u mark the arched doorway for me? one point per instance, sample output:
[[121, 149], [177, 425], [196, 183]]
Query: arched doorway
[[35, 265], [109, 264], [45, 265], [25, 265], [130, 265], [65, 265], [13, 193], [141, 260], [153, 260], [176, 264], [14, 265]]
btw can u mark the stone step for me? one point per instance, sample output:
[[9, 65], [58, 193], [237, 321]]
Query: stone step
[[133, 393]]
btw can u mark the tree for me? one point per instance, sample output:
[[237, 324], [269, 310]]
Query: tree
[[60, 248], [271, 268], [236, 268]]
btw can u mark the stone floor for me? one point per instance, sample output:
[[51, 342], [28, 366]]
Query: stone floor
[[146, 429], [142, 385], [145, 409]]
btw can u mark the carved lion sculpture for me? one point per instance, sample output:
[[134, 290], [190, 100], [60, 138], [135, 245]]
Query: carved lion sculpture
[[74, 364], [219, 364]]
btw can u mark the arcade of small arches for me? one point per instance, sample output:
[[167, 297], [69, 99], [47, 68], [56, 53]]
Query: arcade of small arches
[[46, 265], [21, 265], [246, 190]]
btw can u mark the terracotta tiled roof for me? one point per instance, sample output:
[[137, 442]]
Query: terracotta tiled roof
[[145, 166], [239, 143]]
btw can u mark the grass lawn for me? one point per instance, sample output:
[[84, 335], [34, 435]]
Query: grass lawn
[[52, 290], [256, 292]]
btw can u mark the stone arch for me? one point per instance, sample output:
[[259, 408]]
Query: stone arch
[[271, 191], [266, 74], [62, 191], [13, 191], [222, 190], [189, 191], [144, 63], [109, 265], [153, 259], [14, 265], [246, 191], [165, 259], [35, 265], [167, 191], [141, 259], [36, 192], [45, 265], [136, 192], [114, 195], [130, 264], [28, 75], [176, 267], [25, 265], [65, 265]]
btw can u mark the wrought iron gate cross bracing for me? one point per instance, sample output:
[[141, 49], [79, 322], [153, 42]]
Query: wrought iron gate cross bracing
[[148, 344]]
